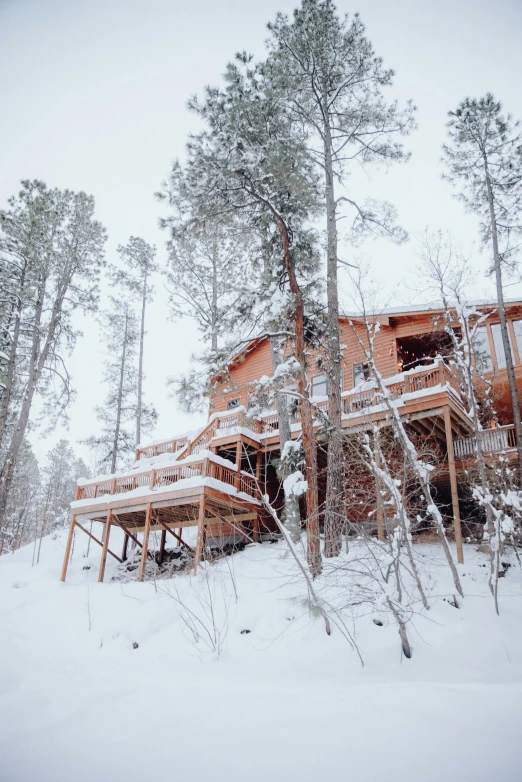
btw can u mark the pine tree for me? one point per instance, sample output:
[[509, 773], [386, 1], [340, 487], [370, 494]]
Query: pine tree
[[250, 161], [57, 246], [138, 259], [116, 442], [484, 158], [332, 82]]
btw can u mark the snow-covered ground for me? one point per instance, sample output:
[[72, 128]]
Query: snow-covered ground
[[283, 702]]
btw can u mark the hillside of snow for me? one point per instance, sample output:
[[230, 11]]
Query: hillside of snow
[[129, 681]]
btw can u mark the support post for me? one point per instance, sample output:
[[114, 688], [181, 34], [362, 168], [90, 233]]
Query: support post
[[162, 546], [201, 530], [239, 453], [124, 549], [380, 508], [255, 529], [105, 546], [68, 549], [453, 485], [145, 547]]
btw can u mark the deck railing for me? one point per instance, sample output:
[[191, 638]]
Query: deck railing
[[166, 476], [352, 402], [501, 438], [358, 401]]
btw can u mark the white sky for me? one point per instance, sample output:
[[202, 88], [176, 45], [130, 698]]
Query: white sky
[[93, 97]]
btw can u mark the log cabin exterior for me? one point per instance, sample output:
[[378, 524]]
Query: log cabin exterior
[[215, 481]]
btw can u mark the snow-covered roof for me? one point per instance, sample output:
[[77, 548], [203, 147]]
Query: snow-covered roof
[[430, 306]]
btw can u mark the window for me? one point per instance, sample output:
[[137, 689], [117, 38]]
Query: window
[[361, 372], [320, 385], [232, 404], [292, 403], [499, 345], [482, 351], [517, 328]]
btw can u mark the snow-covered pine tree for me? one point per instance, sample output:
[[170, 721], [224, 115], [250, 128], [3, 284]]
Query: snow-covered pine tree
[[116, 442], [53, 235], [484, 159], [138, 262], [332, 82], [251, 161], [59, 475], [22, 512]]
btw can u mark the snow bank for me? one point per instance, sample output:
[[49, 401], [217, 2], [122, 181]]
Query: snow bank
[[78, 702]]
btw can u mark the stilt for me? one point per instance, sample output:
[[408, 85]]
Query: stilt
[[162, 545], [105, 546], [453, 484], [239, 453], [255, 529], [68, 549], [145, 547], [201, 528], [124, 549], [379, 508]]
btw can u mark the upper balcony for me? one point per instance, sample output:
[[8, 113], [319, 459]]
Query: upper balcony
[[422, 387]]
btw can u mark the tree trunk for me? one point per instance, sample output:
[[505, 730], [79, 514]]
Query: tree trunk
[[292, 516], [115, 444], [513, 390], [334, 516], [11, 367], [140, 360]]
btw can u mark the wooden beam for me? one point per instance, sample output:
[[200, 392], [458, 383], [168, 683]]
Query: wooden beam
[[162, 546], [105, 546], [166, 528], [453, 485], [231, 523], [124, 549], [96, 540], [145, 547], [201, 532], [129, 534], [378, 497], [68, 549], [239, 454]]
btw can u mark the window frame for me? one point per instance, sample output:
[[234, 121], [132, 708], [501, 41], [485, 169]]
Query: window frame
[[361, 364], [231, 404]]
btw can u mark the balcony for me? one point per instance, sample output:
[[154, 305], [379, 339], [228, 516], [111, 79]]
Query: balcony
[[190, 472], [494, 441]]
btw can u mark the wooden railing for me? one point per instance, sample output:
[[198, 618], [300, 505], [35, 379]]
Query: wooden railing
[[501, 438], [169, 446], [358, 401], [166, 476]]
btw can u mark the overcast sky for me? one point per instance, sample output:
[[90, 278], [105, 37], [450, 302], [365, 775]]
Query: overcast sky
[[93, 97]]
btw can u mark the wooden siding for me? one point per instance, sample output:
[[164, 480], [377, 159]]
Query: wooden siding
[[396, 327]]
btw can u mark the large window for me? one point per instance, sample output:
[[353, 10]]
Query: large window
[[499, 345], [320, 385], [361, 373], [482, 351]]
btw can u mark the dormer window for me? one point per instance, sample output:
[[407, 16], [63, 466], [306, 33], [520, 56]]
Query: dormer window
[[232, 404]]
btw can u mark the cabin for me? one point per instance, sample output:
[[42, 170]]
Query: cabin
[[215, 482]]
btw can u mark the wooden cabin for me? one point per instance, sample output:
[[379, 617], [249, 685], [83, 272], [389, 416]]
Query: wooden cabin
[[214, 481]]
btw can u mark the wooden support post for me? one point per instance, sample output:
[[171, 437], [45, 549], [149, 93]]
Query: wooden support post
[[105, 546], [259, 464], [380, 507], [201, 530], [124, 549], [162, 545], [239, 453], [255, 530], [178, 537], [99, 542], [68, 549], [145, 548], [453, 484]]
